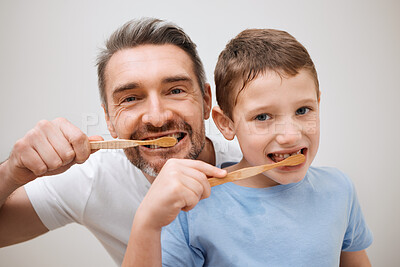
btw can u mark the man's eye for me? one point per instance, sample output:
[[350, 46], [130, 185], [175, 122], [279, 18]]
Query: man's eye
[[176, 91], [129, 99], [302, 111], [262, 117]]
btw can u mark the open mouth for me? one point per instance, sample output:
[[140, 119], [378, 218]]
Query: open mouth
[[179, 136], [277, 157]]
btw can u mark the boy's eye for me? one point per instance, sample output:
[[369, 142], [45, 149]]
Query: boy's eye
[[302, 111], [176, 91], [262, 117]]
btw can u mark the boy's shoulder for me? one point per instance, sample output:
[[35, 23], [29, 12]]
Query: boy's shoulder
[[330, 177]]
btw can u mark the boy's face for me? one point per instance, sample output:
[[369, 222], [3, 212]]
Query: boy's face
[[276, 117]]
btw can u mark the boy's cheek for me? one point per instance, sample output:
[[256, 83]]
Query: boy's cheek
[[311, 127]]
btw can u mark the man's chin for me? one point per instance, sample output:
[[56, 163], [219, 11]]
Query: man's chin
[[151, 162]]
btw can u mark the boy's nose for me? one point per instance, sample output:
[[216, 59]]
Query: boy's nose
[[288, 133], [157, 112]]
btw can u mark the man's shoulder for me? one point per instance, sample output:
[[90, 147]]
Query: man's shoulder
[[115, 164], [225, 151]]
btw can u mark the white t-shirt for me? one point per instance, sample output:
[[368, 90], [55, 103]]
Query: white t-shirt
[[103, 194]]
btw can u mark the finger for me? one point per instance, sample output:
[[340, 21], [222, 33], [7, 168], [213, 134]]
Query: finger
[[60, 144], [31, 160], [191, 199], [197, 182], [78, 140], [38, 140], [208, 169]]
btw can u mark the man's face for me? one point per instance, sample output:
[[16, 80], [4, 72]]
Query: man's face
[[152, 91], [277, 117]]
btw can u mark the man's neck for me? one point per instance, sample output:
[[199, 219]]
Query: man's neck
[[207, 155]]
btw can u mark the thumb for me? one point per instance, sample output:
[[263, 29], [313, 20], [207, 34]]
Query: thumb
[[96, 138]]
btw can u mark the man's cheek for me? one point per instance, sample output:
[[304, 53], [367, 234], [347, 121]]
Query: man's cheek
[[125, 126]]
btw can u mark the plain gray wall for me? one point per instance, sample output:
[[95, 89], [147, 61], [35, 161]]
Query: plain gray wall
[[47, 57]]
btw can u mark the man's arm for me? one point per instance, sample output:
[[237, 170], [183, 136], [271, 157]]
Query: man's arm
[[50, 148], [19, 221], [180, 185], [354, 259]]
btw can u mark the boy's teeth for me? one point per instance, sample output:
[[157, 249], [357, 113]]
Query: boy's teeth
[[286, 155]]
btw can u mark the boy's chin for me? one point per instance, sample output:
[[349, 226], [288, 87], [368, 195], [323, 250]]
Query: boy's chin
[[284, 179]]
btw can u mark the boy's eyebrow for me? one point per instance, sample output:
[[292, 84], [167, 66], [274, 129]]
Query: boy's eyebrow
[[307, 100]]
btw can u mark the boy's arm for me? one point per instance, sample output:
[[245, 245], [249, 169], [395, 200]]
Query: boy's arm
[[354, 259], [181, 184]]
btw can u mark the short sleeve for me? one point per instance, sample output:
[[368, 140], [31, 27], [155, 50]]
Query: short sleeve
[[61, 199], [358, 236], [175, 243]]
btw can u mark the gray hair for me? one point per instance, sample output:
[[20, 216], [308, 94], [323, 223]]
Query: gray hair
[[147, 31]]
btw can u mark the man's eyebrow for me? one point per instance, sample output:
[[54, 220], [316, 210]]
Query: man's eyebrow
[[177, 78], [124, 87]]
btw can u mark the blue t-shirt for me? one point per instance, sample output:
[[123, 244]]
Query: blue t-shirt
[[307, 223]]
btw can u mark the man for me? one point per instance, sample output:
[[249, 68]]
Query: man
[[152, 84]]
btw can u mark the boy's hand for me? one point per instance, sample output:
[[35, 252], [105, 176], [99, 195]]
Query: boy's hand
[[51, 147], [180, 185]]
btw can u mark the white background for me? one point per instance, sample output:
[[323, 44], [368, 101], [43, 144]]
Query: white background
[[47, 57]]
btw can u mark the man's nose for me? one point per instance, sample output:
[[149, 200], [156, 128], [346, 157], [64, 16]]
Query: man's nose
[[288, 132], [157, 112]]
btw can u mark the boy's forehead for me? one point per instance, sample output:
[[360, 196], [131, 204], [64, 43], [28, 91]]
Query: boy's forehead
[[273, 79], [271, 87]]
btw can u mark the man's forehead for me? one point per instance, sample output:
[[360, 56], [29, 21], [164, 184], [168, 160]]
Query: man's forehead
[[148, 54], [147, 63]]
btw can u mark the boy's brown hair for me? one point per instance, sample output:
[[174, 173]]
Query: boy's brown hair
[[250, 54]]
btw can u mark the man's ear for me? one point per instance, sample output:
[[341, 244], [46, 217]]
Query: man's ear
[[110, 126], [207, 99], [319, 97], [224, 123]]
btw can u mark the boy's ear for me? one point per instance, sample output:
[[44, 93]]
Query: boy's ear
[[207, 101], [110, 126], [224, 123]]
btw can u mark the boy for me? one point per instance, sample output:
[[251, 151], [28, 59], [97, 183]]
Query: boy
[[268, 95]]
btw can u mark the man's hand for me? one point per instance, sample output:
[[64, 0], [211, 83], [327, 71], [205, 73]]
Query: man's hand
[[180, 185], [51, 147]]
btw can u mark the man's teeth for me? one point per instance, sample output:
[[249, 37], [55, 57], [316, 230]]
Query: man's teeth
[[286, 155], [178, 136]]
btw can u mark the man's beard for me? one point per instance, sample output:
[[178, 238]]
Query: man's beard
[[197, 141]]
